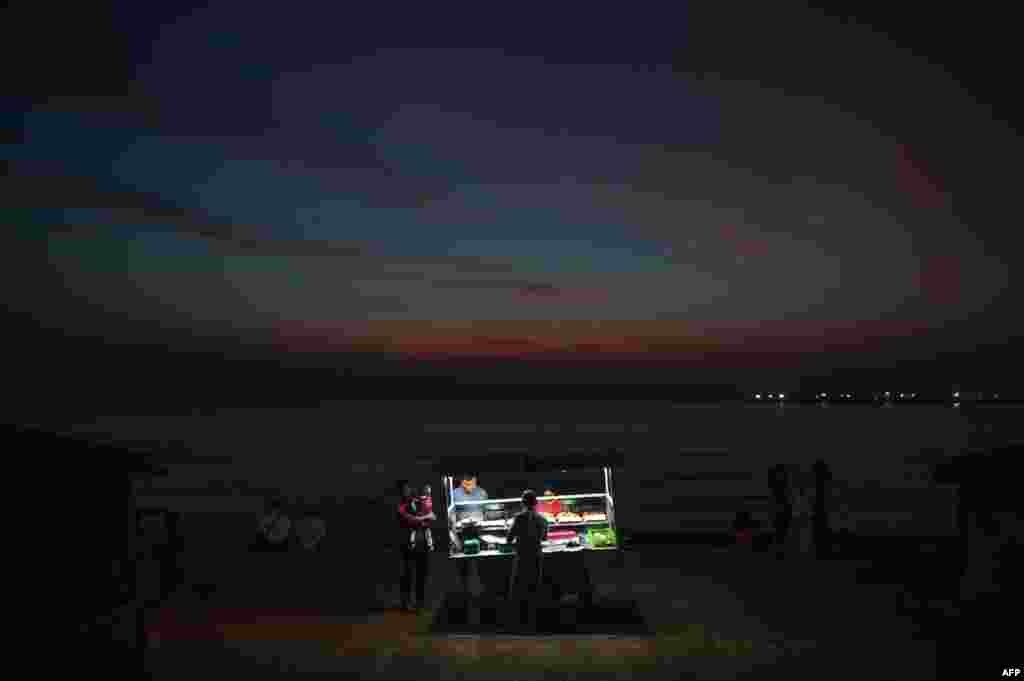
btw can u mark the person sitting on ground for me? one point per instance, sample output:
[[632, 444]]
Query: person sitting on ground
[[312, 530], [275, 527]]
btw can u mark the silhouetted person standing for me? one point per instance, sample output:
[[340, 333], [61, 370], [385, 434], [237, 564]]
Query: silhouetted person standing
[[152, 562], [172, 573], [991, 532], [802, 526], [822, 534], [529, 529], [783, 503], [743, 530]]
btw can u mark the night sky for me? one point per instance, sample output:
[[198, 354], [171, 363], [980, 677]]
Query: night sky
[[648, 196]]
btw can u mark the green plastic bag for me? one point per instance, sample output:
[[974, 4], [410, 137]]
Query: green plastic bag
[[601, 537]]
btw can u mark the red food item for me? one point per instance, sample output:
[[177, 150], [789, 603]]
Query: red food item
[[556, 535], [554, 507]]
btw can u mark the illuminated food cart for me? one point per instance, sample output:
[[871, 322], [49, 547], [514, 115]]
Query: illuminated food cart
[[575, 495]]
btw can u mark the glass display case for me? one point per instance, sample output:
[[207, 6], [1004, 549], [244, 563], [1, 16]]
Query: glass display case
[[577, 502]]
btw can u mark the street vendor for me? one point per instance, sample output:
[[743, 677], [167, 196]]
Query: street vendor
[[468, 490]]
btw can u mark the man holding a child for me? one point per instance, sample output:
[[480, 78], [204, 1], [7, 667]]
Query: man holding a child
[[415, 516]]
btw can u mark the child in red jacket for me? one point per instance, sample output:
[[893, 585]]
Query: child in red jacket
[[419, 507]]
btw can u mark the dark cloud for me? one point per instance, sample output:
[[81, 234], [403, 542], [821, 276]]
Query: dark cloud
[[272, 179]]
